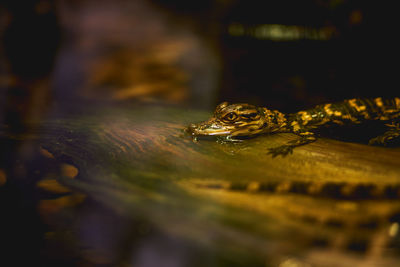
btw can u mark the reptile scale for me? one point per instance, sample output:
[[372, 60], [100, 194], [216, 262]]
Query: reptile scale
[[348, 221], [244, 120]]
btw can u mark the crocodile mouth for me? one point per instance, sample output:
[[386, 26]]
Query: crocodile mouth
[[208, 128]]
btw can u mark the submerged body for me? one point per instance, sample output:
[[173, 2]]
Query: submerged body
[[232, 120]]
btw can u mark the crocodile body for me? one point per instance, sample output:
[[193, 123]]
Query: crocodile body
[[235, 120], [346, 218]]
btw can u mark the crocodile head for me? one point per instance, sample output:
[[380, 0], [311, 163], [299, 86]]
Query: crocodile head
[[235, 120]]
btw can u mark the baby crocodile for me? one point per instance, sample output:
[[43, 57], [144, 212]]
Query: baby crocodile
[[233, 120]]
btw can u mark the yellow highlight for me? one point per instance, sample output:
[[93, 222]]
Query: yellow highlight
[[327, 109], [69, 170], [397, 102], [353, 103], [253, 186], [296, 126], [305, 117], [52, 186], [46, 153], [51, 206], [394, 229], [379, 102], [283, 187]]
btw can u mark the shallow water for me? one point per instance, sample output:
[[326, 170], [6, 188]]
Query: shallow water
[[145, 194], [90, 177]]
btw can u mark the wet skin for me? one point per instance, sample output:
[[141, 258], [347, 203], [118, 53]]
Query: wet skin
[[244, 120]]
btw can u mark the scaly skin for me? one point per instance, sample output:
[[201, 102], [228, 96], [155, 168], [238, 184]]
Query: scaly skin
[[232, 120]]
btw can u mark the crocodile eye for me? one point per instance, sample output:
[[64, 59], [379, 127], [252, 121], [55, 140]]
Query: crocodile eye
[[231, 116]]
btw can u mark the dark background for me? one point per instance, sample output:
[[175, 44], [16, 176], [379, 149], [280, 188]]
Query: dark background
[[359, 61], [58, 55]]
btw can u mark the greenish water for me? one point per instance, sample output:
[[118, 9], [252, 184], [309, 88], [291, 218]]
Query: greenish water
[[155, 195]]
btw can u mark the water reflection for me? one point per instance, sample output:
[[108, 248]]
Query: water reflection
[[95, 168], [149, 186]]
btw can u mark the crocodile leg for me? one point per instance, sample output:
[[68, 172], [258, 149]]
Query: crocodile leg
[[306, 137], [388, 136]]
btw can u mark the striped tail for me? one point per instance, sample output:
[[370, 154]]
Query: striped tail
[[374, 108]]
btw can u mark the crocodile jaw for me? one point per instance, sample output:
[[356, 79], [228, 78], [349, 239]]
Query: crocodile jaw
[[208, 128]]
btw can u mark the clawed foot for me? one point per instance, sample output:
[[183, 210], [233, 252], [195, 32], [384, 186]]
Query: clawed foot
[[377, 141], [280, 150], [383, 140]]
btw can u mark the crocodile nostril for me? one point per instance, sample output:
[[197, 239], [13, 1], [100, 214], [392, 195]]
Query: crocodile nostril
[[191, 128]]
